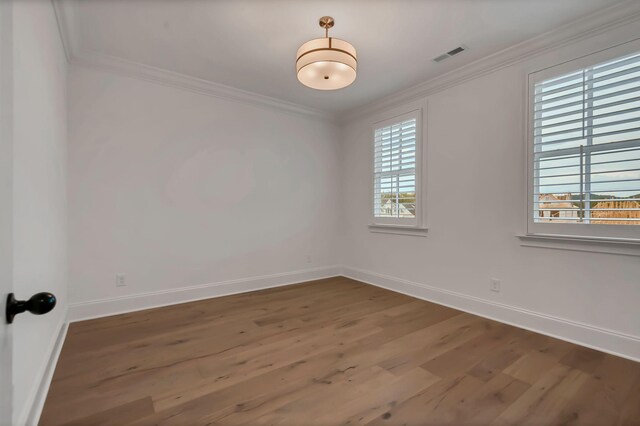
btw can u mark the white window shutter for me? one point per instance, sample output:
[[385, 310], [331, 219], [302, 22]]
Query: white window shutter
[[395, 170], [586, 145]]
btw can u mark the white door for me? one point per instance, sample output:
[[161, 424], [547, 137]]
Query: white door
[[6, 207]]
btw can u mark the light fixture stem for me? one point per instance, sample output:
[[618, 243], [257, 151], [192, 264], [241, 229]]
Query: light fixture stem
[[326, 22]]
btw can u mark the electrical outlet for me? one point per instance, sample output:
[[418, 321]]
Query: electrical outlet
[[308, 258], [121, 280], [495, 285]]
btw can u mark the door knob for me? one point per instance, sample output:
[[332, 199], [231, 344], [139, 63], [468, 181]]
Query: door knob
[[40, 303]]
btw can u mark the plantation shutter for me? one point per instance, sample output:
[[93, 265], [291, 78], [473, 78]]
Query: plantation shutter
[[586, 130], [395, 170]]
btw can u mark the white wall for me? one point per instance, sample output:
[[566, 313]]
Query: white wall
[[40, 215], [6, 206], [175, 189], [475, 208]]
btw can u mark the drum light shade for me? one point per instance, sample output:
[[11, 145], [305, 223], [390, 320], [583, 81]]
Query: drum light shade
[[326, 63]]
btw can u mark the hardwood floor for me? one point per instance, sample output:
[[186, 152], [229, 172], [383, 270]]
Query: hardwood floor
[[330, 352]]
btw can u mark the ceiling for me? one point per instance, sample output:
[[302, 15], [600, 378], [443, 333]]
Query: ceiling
[[251, 45]]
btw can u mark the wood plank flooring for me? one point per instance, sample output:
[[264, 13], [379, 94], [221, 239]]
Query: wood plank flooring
[[330, 352]]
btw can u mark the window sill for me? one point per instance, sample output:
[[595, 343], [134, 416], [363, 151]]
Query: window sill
[[622, 246], [415, 231]]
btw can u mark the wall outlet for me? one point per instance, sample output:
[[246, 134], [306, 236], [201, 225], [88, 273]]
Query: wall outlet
[[121, 280], [308, 258], [495, 285]]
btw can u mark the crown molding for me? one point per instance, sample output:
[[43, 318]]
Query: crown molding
[[66, 27], [591, 25], [598, 22], [164, 77], [76, 55]]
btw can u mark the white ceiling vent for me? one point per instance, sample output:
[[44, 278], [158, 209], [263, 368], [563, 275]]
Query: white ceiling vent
[[449, 54]]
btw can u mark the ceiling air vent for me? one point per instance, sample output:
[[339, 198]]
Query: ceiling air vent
[[449, 54]]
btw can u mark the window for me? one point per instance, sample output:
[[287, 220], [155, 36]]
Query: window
[[584, 147], [396, 165]]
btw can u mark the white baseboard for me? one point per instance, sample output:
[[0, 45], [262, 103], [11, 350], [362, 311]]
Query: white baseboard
[[38, 395], [604, 340], [136, 302]]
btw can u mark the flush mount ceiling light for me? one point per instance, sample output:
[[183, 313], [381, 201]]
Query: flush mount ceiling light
[[326, 63]]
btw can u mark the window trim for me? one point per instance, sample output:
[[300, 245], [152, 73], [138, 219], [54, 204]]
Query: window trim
[[574, 232], [402, 226]]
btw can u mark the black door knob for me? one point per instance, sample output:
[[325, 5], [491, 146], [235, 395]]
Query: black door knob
[[39, 304]]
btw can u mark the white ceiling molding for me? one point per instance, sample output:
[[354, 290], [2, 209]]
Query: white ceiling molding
[[205, 87], [600, 21], [82, 57], [67, 27], [596, 23]]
